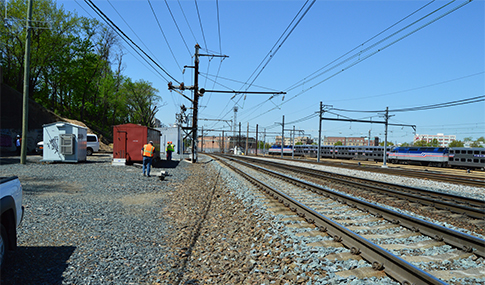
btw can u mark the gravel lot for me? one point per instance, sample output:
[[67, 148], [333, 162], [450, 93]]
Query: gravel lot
[[94, 223]]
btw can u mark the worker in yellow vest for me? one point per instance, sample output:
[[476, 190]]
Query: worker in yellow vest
[[169, 150], [147, 152]]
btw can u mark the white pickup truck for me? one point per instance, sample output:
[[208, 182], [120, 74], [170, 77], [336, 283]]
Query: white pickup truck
[[12, 212]]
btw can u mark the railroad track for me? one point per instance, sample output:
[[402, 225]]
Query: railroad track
[[454, 204], [371, 232], [475, 181]]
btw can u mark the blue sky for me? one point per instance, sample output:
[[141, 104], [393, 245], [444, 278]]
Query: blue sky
[[336, 54]]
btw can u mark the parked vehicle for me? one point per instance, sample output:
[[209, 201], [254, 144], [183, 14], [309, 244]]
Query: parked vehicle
[[92, 144], [39, 149], [12, 212]]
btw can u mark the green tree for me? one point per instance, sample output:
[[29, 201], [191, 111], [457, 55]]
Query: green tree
[[434, 143], [456, 143], [420, 143], [405, 144], [142, 100], [468, 139], [338, 143], [388, 143], [475, 144], [481, 139]]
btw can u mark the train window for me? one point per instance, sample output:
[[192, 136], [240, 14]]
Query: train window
[[475, 160], [470, 152], [482, 160], [457, 159], [452, 151], [463, 159], [441, 149], [476, 152]]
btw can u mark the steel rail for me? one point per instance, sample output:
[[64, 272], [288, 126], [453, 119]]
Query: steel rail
[[454, 238], [455, 179], [458, 204], [381, 259]]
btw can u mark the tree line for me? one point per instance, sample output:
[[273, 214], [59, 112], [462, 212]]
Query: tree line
[[76, 67]]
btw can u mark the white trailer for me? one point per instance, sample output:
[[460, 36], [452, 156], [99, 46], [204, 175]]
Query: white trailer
[[64, 142]]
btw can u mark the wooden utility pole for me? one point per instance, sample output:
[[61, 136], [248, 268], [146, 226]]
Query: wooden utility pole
[[25, 111]]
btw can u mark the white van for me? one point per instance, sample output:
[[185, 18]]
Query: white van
[[92, 144]]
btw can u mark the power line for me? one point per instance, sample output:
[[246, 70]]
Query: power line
[[187, 21], [200, 23], [126, 38], [359, 46], [426, 107], [180, 33], [163, 34], [359, 54]]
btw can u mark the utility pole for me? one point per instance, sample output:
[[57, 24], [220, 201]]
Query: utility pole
[[25, 112], [247, 140], [320, 131], [386, 117], [257, 140], [282, 135], [223, 141], [293, 144], [202, 140], [239, 137], [196, 104]]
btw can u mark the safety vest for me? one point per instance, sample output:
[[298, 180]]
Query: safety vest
[[170, 147], [148, 150]]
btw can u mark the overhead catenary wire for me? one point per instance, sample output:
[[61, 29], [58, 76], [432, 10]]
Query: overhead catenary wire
[[362, 58], [270, 55], [421, 108]]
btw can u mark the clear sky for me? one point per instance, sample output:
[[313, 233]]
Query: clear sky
[[352, 55]]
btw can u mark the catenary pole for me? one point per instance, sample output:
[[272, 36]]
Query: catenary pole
[[320, 132], [282, 135]]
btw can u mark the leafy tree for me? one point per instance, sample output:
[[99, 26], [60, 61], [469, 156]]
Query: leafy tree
[[299, 143], [388, 143], [468, 139], [405, 144], [481, 139], [475, 144], [434, 143], [456, 143], [71, 68], [338, 143], [420, 143], [142, 101]]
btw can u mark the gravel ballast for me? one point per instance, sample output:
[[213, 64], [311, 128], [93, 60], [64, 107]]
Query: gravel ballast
[[94, 223]]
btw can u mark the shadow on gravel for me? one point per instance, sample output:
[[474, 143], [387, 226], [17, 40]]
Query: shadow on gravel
[[36, 265], [166, 164]]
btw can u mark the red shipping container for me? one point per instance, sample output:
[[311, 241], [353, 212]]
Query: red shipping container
[[129, 139]]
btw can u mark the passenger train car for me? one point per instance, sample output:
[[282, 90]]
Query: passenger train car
[[472, 158], [338, 152], [467, 157]]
